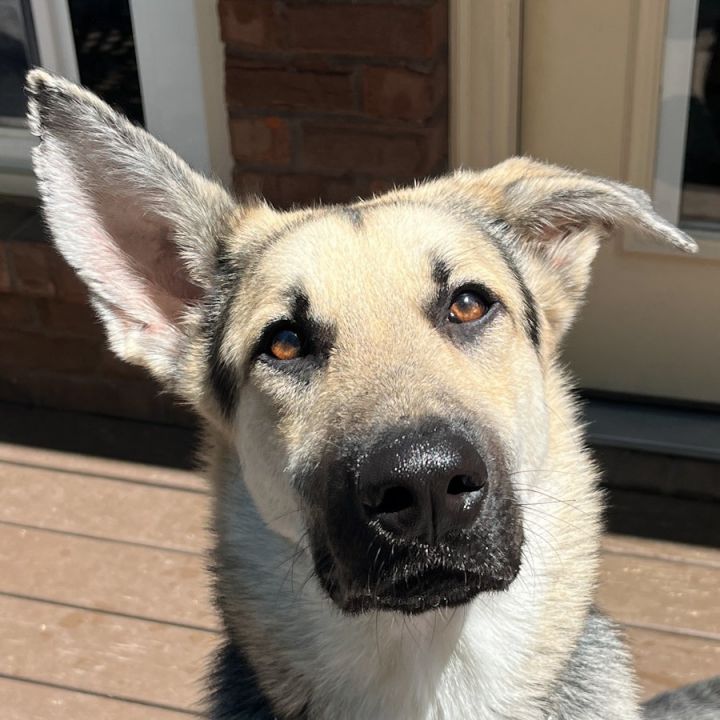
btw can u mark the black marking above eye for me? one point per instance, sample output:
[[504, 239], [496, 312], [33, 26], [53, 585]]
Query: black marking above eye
[[297, 344]]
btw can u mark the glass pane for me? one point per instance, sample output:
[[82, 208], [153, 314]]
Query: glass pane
[[701, 188], [18, 53], [105, 48]]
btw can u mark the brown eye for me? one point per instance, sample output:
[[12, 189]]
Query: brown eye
[[286, 345], [466, 307]]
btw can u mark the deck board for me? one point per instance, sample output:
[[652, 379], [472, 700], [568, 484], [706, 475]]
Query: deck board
[[22, 700], [649, 592], [104, 600], [103, 508], [151, 662], [666, 660], [100, 467], [662, 549], [137, 581]]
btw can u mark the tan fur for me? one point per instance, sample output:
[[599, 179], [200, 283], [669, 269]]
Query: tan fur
[[206, 279]]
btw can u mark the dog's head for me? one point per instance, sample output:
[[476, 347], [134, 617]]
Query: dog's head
[[380, 369]]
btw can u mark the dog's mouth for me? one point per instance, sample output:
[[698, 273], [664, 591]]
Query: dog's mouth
[[417, 594], [416, 580]]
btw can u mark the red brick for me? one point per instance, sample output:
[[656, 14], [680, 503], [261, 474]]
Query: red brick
[[397, 93], [33, 351], [379, 152], [32, 268], [382, 29], [125, 398], [5, 284], [68, 285], [112, 366], [17, 313], [68, 318], [285, 190], [289, 89], [261, 141], [251, 24]]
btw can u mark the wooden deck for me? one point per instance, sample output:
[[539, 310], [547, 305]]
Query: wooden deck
[[105, 612]]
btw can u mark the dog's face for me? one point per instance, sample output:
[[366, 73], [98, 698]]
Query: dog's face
[[379, 369], [389, 378]]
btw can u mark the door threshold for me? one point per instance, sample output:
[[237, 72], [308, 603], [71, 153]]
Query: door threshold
[[653, 428]]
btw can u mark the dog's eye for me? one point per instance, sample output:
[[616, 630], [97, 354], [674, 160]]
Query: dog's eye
[[285, 344], [467, 307]]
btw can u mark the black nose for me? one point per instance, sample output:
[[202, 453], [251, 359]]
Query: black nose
[[422, 485]]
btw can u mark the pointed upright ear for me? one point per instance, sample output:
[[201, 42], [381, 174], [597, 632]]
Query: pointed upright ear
[[554, 219], [137, 224]]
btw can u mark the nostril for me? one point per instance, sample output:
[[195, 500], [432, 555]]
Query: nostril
[[393, 500], [463, 484]]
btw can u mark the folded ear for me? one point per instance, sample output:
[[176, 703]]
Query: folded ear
[[137, 224], [554, 220]]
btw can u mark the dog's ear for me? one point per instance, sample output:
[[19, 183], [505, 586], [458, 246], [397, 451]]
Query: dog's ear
[[137, 224], [554, 220]]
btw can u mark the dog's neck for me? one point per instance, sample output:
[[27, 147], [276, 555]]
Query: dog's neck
[[312, 661], [500, 656]]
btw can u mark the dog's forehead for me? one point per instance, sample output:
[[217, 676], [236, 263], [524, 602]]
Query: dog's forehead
[[339, 252]]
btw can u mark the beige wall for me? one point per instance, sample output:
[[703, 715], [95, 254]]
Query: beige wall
[[590, 76]]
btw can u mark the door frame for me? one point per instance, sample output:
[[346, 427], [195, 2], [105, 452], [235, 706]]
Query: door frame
[[181, 73], [485, 46]]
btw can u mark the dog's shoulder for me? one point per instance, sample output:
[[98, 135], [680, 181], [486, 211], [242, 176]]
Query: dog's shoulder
[[598, 681]]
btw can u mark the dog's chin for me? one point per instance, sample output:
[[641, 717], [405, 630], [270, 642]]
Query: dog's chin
[[422, 592]]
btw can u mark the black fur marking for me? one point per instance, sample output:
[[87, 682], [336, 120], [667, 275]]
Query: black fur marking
[[354, 215], [222, 375], [532, 318], [493, 228], [235, 693], [318, 340], [441, 275], [437, 305]]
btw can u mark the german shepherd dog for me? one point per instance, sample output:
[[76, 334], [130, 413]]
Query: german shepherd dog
[[407, 521]]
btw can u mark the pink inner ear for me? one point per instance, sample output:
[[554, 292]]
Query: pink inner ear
[[143, 247]]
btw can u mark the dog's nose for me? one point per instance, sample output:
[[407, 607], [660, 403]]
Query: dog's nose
[[423, 485]]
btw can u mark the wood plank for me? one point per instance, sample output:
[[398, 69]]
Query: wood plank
[[103, 467], [109, 509], [656, 593], [667, 660], [131, 580], [122, 657], [662, 550], [29, 701]]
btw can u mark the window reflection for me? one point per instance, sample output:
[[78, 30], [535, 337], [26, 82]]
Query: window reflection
[[701, 190], [18, 53]]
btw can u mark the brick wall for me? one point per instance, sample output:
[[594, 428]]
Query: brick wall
[[327, 101], [52, 348], [334, 99]]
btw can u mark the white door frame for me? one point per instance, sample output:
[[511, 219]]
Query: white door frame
[[484, 81], [181, 70]]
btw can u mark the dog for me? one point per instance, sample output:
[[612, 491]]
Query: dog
[[407, 521]]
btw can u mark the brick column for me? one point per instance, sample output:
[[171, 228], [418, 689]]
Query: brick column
[[331, 100]]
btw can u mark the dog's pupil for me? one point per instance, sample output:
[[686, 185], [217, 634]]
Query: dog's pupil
[[286, 345], [466, 308]]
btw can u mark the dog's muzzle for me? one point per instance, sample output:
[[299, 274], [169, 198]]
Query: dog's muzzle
[[416, 521]]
